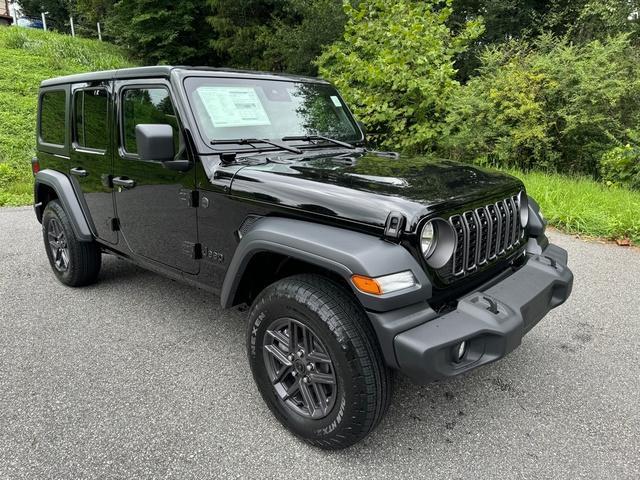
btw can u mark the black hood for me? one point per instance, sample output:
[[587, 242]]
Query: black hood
[[365, 187]]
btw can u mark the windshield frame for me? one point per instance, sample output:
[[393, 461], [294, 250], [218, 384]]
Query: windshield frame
[[231, 147]]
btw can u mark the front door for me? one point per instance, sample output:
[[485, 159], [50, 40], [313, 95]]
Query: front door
[[92, 154], [156, 217]]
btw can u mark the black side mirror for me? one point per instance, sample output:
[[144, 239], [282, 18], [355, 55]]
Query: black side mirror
[[155, 142]]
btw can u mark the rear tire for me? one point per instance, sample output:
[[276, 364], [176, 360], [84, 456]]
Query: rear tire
[[73, 262], [347, 388]]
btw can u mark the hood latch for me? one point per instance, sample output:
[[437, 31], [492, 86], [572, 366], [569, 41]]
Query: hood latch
[[394, 225]]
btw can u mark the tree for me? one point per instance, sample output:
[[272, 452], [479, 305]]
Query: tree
[[578, 21], [302, 30], [276, 35], [163, 31], [395, 66]]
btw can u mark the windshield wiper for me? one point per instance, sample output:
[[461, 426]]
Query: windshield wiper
[[308, 138], [251, 141]]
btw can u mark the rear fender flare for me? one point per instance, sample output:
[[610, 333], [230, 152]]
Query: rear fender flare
[[61, 184]]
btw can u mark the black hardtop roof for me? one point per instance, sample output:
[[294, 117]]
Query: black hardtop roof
[[165, 71]]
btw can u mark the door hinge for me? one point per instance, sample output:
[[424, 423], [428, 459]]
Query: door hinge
[[192, 250], [190, 196], [115, 224]]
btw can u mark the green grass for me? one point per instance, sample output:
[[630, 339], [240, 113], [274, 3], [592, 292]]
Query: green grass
[[26, 58], [581, 206]]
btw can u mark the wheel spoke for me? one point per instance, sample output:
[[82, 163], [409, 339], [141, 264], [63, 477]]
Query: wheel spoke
[[304, 341], [318, 357], [308, 400], [282, 373], [325, 378], [292, 390], [323, 404], [278, 354], [293, 336], [64, 257], [282, 339]]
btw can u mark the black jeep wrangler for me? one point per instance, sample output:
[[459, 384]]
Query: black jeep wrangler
[[259, 188]]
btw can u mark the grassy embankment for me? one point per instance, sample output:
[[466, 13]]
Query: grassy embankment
[[582, 206], [26, 58]]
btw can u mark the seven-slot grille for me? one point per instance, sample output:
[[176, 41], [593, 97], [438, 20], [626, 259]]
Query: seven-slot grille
[[484, 234]]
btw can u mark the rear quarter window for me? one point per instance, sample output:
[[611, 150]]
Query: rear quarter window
[[53, 113]]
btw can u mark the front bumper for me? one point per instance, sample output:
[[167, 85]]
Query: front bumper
[[492, 321]]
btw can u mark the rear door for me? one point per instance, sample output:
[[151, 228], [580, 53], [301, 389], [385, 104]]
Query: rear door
[[156, 215], [91, 154]]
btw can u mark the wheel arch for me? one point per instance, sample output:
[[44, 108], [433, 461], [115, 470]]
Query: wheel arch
[[50, 185], [274, 245]]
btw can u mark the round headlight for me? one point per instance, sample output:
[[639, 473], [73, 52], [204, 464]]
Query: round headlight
[[437, 242], [523, 203], [428, 239]]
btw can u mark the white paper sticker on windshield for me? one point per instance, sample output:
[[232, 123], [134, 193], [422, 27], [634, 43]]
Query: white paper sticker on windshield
[[336, 101], [233, 106]]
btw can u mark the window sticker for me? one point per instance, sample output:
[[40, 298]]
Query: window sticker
[[233, 106], [336, 101]]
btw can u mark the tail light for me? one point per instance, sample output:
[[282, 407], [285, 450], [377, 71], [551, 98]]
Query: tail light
[[35, 165]]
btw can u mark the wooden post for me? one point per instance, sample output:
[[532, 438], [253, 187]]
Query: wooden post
[[73, 32], [99, 32], [44, 22]]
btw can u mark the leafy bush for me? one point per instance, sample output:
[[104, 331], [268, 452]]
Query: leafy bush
[[395, 67], [26, 58], [620, 166], [550, 105]]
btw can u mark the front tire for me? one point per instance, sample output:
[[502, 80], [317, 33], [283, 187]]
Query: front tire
[[316, 362], [73, 262]]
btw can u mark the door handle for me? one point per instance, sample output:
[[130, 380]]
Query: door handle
[[79, 172], [123, 182]]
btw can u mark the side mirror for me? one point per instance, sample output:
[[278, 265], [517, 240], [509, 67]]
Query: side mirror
[[155, 142]]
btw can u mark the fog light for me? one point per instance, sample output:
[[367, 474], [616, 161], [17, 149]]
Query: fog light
[[459, 351]]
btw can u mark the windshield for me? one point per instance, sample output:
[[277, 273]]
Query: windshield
[[240, 108]]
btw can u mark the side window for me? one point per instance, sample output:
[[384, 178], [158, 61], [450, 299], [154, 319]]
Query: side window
[[90, 118], [52, 117], [146, 105]]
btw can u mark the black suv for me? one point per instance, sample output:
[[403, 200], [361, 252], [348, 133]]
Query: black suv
[[258, 188]]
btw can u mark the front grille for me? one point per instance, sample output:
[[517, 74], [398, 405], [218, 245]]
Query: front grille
[[484, 235]]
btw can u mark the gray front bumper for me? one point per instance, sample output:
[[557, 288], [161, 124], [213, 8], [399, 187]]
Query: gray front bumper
[[492, 321]]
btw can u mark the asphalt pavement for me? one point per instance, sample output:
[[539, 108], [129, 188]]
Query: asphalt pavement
[[139, 376]]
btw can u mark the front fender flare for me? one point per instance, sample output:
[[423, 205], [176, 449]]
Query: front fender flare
[[344, 252], [61, 184]]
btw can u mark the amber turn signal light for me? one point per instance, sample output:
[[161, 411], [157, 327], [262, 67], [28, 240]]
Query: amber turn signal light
[[385, 284], [366, 284]]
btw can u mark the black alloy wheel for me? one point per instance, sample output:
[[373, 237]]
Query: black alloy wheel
[[58, 245], [300, 368]]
